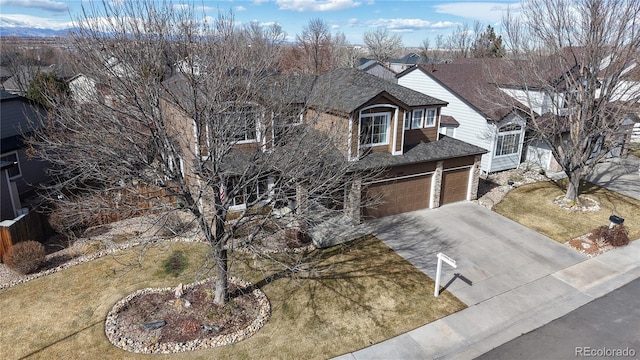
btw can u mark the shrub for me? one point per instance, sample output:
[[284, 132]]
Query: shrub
[[175, 225], [296, 238], [175, 263], [616, 236], [25, 257]]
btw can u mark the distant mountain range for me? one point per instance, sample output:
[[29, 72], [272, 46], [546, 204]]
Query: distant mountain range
[[32, 32], [10, 27]]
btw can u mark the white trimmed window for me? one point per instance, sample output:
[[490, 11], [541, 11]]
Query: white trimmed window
[[430, 118], [407, 120], [508, 140], [248, 124], [416, 121], [14, 171], [420, 118], [241, 123], [248, 194], [374, 129]]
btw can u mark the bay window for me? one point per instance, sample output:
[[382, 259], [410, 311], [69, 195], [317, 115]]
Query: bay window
[[374, 129], [508, 142]]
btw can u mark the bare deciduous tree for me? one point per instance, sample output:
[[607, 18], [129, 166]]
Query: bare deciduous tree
[[576, 62], [383, 45], [317, 51], [190, 118]]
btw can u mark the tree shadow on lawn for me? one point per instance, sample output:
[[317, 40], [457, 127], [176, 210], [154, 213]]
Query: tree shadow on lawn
[[361, 290]]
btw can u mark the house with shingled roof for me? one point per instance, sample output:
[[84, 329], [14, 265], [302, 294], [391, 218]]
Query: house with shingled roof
[[377, 124], [473, 115]]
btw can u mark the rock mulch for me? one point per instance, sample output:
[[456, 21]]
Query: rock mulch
[[492, 188]]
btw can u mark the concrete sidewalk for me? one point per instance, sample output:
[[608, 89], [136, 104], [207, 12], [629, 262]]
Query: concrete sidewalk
[[513, 279]]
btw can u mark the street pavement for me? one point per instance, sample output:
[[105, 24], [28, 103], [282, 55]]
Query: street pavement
[[513, 279], [608, 327]]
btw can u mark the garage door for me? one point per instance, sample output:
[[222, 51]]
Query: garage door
[[454, 186], [397, 196]]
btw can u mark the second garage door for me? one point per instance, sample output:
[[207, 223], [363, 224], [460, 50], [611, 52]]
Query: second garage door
[[397, 196], [454, 185]]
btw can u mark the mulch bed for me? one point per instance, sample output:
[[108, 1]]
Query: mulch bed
[[589, 246], [189, 322]]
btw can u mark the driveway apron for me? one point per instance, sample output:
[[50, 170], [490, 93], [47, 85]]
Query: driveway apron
[[493, 254]]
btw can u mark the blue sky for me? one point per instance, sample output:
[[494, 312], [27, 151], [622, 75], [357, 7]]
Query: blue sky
[[414, 20]]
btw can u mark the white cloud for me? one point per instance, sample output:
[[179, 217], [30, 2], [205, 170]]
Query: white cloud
[[316, 5], [405, 25], [185, 7], [20, 20], [267, 23], [240, 8], [49, 5], [483, 11]]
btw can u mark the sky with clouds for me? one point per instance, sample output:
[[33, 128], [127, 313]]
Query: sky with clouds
[[414, 20]]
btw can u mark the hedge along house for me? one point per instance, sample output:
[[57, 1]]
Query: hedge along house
[[373, 123], [473, 113]]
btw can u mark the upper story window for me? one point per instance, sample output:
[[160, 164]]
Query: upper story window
[[374, 129], [407, 120], [420, 118], [247, 122], [284, 123], [14, 171], [430, 118], [240, 123], [508, 140]]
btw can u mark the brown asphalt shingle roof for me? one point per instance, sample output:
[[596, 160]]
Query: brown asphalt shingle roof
[[345, 90], [473, 80]]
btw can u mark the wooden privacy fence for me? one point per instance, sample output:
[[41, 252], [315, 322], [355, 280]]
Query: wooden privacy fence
[[31, 226]]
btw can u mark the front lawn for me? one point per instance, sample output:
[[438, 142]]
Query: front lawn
[[634, 149], [532, 205], [366, 294]]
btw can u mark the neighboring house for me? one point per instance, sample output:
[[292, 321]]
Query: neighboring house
[[82, 88], [551, 103], [20, 174], [18, 83], [376, 68], [472, 113], [377, 123], [408, 61]]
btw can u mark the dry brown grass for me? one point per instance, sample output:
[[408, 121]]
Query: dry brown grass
[[532, 205], [365, 294], [634, 149]]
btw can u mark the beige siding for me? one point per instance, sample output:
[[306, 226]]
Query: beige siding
[[336, 127]]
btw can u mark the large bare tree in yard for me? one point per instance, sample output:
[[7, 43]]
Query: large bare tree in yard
[[190, 117], [575, 61]]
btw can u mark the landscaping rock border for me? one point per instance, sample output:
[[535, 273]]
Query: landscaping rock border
[[120, 339]]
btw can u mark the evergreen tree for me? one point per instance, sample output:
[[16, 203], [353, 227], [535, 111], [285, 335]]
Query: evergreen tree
[[487, 44]]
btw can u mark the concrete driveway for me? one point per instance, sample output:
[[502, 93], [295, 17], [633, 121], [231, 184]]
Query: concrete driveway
[[619, 175], [493, 254], [513, 279]]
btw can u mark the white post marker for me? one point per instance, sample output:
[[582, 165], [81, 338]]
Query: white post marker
[[448, 260]]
